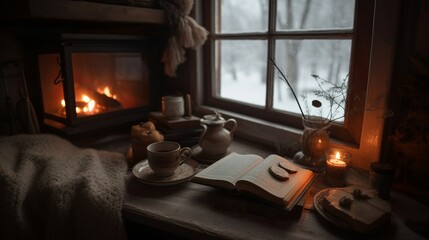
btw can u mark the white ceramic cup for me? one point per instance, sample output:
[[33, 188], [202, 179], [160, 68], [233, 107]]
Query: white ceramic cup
[[166, 156], [173, 106]]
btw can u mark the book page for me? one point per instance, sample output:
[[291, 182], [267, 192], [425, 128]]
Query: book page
[[260, 182], [226, 171]]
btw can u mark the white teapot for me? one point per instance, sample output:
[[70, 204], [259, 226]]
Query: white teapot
[[217, 135]]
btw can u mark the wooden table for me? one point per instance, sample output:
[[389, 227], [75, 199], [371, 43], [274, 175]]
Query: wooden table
[[196, 211]]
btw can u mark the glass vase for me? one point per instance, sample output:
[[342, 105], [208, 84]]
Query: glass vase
[[314, 142]]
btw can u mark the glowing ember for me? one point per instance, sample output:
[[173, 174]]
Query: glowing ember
[[91, 106], [106, 91], [86, 98], [87, 105]]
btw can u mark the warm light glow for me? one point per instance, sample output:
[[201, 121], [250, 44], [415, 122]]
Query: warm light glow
[[336, 162], [336, 167], [337, 155], [85, 98], [91, 105], [88, 106], [106, 91]]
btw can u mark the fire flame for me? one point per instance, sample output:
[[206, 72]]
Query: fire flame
[[106, 91], [89, 106]]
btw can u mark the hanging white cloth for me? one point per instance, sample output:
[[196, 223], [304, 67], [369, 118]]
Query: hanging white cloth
[[186, 33]]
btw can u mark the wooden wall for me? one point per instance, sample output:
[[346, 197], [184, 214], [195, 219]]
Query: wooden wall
[[407, 139]]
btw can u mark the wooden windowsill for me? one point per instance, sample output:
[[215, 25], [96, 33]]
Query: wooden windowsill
[[195, 211]]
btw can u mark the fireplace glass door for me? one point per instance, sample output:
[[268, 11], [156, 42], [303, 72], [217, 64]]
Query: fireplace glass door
[[92, 83]]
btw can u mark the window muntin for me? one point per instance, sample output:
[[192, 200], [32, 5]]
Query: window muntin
[[355, 50]]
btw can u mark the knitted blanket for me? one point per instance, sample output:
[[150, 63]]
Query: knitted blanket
[[51, 189]]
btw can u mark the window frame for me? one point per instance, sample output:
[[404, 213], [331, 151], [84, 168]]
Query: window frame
[[351, 130], [285, 140]]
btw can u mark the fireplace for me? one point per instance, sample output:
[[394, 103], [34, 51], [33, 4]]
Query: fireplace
[[93, 81]]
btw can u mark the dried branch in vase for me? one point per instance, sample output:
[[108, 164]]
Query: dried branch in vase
[[332, 92]]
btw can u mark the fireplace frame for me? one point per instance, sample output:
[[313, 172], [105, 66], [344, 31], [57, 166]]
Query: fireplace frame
[[67, 44]]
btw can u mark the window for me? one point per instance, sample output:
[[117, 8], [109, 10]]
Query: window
[[329, 39]]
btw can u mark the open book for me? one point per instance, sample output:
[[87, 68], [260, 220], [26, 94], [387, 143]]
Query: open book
[[250, 173]]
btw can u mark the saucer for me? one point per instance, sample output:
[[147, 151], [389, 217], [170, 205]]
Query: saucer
[[183, 173], [197, 153], [318, 205]]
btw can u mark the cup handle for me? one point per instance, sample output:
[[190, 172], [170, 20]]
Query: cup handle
[[187, 152]]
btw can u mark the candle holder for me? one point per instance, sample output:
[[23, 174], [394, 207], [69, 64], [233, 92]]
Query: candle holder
[[337, 161]]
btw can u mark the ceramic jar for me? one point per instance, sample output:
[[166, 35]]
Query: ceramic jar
[[173, 106], [217, 135]]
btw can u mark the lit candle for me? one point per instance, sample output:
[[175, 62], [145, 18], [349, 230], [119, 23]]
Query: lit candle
[[336, 167]]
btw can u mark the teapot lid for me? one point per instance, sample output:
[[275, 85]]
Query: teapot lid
[[213, 119]]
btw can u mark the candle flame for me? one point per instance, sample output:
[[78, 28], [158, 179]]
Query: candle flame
[[337, 161]]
